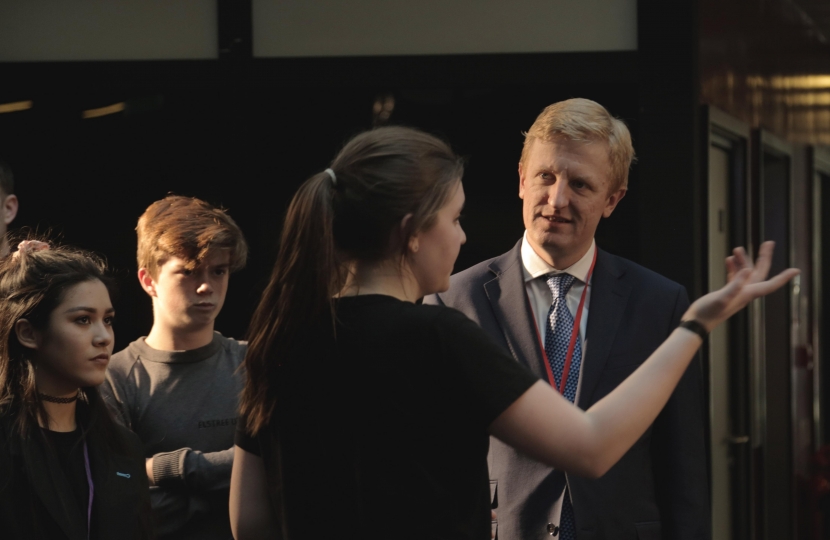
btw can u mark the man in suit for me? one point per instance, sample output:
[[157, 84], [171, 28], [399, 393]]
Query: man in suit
[[533, 301]]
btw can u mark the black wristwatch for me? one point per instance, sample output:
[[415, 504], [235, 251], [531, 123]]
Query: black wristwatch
[[694, 326]]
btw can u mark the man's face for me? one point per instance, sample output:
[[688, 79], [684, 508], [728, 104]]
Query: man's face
[[188, 300], [565, 188]]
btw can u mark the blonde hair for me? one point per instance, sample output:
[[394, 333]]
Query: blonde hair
[[581, 119]]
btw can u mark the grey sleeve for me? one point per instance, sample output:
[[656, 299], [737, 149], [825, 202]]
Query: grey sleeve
[[198, 471], [114, 395]]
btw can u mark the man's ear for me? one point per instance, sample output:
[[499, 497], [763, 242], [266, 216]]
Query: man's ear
[[10, 206], [612, 202], [147, 282], [26, 334]]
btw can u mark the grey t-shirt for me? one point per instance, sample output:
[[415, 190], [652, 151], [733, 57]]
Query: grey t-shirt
[[183, 407]]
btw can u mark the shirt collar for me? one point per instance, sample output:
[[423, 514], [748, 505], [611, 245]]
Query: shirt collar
[[533, 266]]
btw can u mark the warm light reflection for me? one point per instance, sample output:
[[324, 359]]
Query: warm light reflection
[[103, 111], [805, 99], [794, 107], [790, 82], [15, 106]]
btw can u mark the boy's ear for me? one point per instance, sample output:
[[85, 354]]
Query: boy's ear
[[147, 282], [25, 333]]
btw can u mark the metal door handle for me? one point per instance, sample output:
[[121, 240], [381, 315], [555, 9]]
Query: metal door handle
[[737, 439]]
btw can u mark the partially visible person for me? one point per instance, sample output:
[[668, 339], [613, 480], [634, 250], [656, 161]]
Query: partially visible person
[[67, 469], [178, 387], [360, 405], [8, 205]]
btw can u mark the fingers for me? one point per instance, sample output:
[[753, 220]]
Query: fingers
[[736, 262], [734, 287], [764, 261], [740, 258], [773, 284], [731, 268]]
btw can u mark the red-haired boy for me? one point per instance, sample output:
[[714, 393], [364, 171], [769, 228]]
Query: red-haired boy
[[178, 387]]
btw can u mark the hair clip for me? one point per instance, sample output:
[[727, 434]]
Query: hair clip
[[30, 246]]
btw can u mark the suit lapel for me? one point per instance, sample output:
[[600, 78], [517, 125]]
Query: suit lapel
[[506, 292], [609, 296], [53, 488]]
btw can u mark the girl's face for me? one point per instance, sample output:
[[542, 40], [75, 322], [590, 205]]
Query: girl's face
[[432, 252], [75, 347]]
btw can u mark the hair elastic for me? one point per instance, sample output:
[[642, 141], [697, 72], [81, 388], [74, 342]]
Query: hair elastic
[[333, 176]]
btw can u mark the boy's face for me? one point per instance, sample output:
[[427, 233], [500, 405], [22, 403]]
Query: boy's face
[[185, 299]]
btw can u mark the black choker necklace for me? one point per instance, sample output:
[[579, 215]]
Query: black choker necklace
[[53, 399]]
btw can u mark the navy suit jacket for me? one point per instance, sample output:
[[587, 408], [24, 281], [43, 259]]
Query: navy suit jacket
[[659, 489]]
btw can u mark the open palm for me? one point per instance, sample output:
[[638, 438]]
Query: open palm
[[746, 282]]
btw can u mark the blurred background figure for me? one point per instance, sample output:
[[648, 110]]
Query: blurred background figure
[[8, 205]]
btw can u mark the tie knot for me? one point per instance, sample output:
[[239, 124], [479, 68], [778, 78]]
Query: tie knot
[[559, 284]]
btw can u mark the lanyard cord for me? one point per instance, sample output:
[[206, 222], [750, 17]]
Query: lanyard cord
[[574, 335], [91, 491]]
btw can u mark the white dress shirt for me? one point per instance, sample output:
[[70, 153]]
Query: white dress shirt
[[533, 267]]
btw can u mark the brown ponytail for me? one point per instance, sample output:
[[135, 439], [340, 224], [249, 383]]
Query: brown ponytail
[[303, 282]]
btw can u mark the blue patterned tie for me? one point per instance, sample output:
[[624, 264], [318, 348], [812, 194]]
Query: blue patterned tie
[[557, 338]]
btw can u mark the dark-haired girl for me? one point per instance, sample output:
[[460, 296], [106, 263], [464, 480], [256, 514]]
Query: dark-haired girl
[[67, 471], [368, 416]]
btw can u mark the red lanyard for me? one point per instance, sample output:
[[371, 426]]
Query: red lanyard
[[574, 335]]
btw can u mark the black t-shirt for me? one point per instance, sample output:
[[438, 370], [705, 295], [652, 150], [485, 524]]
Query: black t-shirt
[[382, 432], [69, 449]]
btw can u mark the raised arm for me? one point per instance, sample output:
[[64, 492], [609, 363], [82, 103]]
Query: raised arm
[[545, 426]]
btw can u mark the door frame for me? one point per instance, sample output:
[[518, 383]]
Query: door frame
[[821, 166], [718, 126]]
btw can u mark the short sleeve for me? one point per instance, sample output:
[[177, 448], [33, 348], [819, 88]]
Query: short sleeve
[[491, 378], [244, 440]]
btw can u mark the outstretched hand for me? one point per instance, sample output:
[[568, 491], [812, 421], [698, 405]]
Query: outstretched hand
[[746, 282]]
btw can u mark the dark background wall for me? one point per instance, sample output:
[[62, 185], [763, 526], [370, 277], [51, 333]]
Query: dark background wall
[[245, 135]]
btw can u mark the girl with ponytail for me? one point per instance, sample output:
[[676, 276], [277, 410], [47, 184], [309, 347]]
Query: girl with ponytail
[[366, 415], [66, 469]]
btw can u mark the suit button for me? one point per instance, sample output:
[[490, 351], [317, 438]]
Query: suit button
[[553, 530]]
